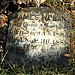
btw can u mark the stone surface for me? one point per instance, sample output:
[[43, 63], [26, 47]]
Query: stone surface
[[38, 32]]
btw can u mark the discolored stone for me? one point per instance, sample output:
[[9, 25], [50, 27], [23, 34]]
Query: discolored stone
[[37, 33]]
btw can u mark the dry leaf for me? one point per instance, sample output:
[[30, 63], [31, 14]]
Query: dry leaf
[[3, 20], [67, 55], [23, 1], [37, 2]]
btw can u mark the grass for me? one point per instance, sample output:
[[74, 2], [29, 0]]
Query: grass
[[52, 69]]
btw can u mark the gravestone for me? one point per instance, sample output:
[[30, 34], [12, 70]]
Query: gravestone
[[38, 33]]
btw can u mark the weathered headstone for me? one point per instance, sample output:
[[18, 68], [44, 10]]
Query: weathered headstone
[[37, 33]]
